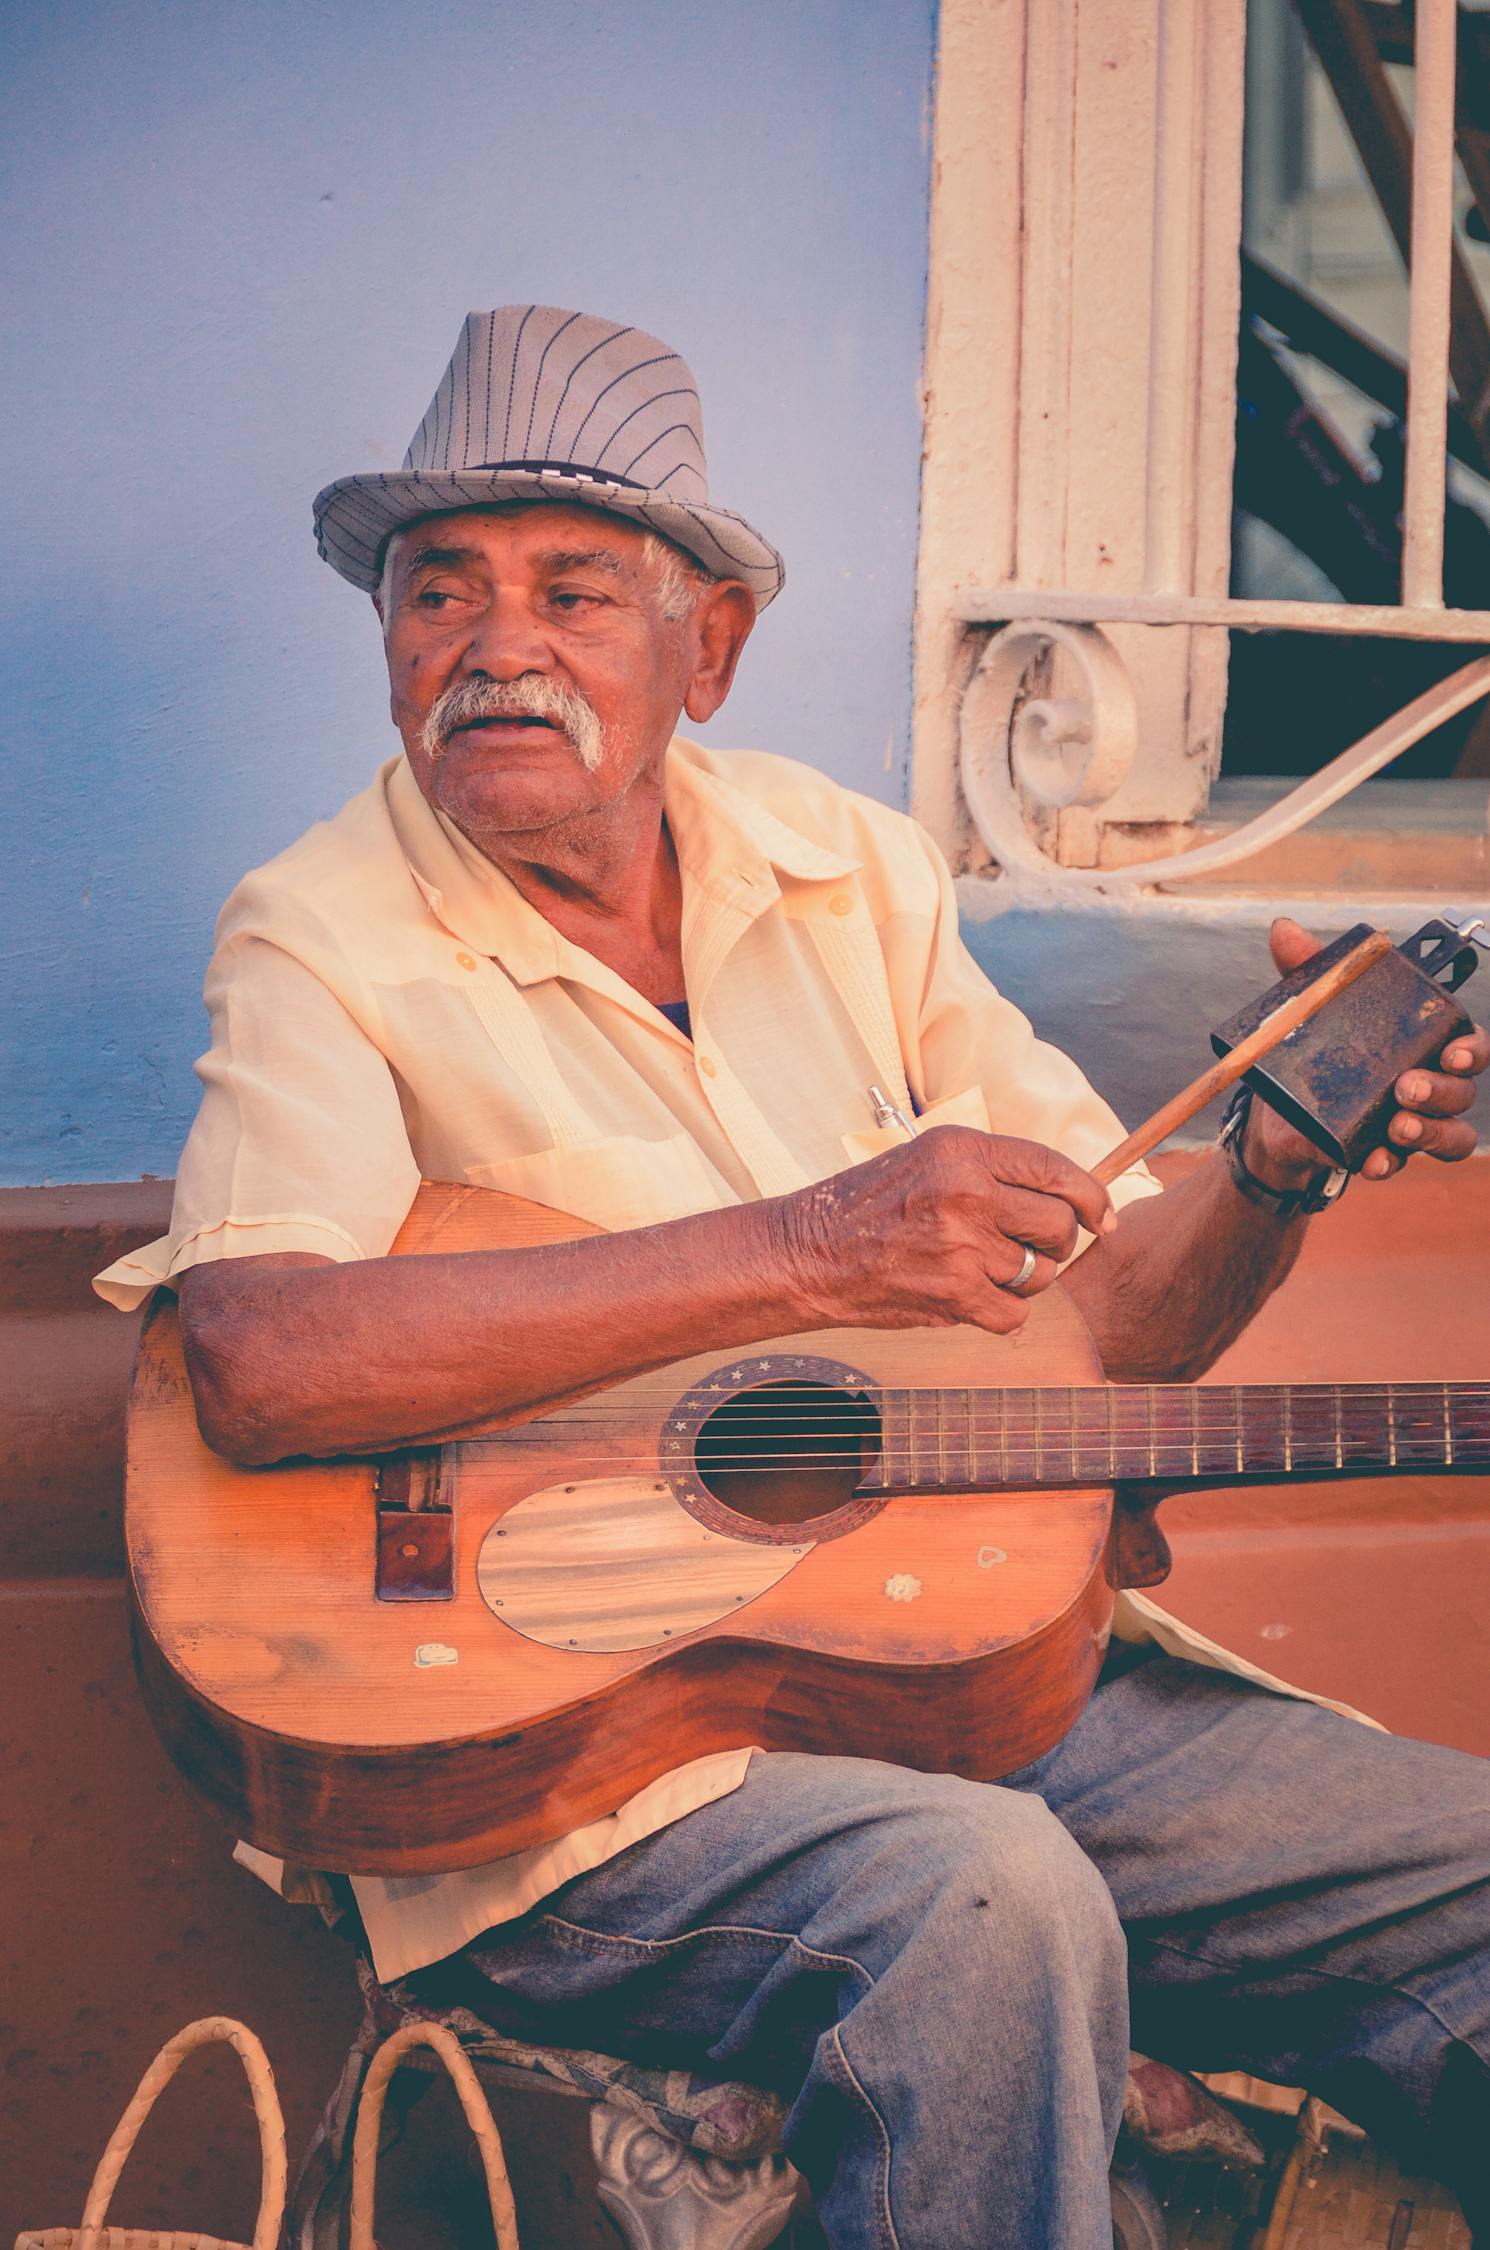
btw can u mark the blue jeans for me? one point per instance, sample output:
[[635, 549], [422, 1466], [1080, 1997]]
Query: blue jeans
[[938, 1974]]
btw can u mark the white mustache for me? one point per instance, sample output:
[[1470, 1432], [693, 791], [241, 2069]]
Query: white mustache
[[528, 697]]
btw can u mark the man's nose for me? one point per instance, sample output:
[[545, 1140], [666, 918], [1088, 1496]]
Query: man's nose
[[506, 640]]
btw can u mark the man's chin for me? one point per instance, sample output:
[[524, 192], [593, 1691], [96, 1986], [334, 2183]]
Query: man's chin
[[508, 803]]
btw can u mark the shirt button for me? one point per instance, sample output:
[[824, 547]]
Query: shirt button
[[706, 1065], [466, 960], [840, 903]]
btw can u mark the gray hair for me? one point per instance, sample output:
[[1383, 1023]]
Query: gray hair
[[681, 579]]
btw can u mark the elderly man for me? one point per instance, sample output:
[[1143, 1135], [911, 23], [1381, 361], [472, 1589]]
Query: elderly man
[[558, 950]]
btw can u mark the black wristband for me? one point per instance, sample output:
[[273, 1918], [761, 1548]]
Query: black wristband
[[1284, 1203]]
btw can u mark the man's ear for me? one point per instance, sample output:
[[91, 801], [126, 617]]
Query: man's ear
[[722, 621]]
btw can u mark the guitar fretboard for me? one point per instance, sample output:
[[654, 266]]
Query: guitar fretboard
[[1144, 1433]]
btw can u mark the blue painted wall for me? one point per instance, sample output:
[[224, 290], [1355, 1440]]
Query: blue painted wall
[[237, 245]]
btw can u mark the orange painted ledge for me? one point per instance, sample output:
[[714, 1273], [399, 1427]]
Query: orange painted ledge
[[1377, 1592]]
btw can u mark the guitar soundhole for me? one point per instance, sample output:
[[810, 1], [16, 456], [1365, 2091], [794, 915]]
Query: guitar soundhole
[[787, 1452]]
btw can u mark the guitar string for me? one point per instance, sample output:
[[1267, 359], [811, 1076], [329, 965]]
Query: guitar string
[[760, 1431], [1409, 1423], [1174, 1459], [1025, 1438], [1249, 1406], [1025, 1423], [975, 1481], [1209, 1425], [1251, 1392], [1024, 1433]]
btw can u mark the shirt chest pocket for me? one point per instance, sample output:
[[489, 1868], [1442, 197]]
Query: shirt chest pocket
[[614, 1183], [970, 1107]]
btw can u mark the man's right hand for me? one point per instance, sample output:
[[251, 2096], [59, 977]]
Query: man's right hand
[[934, 1233]]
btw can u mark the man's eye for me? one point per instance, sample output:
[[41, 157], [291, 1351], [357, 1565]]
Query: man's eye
[[570, 599], [430, 597]]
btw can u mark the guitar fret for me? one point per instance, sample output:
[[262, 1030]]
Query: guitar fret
[[1310, 1427], [1133, 1451], [1422, 1426], [1236, 1399], [1339, 1442], [1288, 1430], [914, 1434], [1392, 1424], [1096, 1441], [1471, 1426], [1028, 1435], [889, 1463]]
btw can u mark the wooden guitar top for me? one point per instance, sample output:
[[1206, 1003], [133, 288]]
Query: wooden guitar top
[[957, 1631]]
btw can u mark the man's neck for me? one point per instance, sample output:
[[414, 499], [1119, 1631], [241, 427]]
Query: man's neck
[[608, 881]]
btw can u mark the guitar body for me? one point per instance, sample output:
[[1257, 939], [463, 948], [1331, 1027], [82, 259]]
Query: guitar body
[[631, 1589]]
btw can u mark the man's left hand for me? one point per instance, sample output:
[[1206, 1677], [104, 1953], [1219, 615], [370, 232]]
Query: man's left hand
[[1432, 1119]]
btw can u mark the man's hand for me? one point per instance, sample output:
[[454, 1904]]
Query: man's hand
[[1432, 1119], [936, 1232]]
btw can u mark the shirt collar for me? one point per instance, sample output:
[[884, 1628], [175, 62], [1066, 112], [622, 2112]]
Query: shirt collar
[[725, 836], [727, 843], [472, 899]]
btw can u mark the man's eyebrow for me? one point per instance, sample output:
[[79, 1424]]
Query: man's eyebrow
[[554, 561], [560, 559], [440, 558]]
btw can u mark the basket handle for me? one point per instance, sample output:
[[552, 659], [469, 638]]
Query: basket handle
[[203, 2033], [478, 2117]]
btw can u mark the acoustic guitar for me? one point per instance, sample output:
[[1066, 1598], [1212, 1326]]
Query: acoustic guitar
[[895, 1544]]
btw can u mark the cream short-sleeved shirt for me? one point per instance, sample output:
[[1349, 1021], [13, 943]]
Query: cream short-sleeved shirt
[[385, 1006]]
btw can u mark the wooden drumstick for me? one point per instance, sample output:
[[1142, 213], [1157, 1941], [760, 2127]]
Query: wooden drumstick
[[1231, 1067]]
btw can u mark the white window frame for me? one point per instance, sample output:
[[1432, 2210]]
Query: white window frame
[[1072, 603]]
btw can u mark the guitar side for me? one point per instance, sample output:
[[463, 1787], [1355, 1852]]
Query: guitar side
[[385, 1737]]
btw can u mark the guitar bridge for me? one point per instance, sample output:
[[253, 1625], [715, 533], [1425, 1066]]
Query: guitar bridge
[[414, 1560]]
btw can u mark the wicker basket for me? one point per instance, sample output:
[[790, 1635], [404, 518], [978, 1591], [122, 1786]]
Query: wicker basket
[[478, 2117], [94, 2234]]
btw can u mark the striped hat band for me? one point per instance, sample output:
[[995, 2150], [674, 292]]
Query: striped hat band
[[542, 404]]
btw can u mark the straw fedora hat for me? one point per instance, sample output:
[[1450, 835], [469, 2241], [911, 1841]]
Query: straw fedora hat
[[542, 404]]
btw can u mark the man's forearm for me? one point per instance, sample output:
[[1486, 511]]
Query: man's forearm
[[1181, 1276], [293, 1354], [302, 1356]]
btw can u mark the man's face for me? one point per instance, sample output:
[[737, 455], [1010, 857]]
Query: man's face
[[557, 609]]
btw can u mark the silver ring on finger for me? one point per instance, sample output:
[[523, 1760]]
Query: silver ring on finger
[[1025, 1271]]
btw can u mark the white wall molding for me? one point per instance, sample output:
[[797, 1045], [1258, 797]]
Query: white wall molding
[[1080, 375]]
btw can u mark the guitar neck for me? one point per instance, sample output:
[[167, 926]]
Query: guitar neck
[[1176, 1434]]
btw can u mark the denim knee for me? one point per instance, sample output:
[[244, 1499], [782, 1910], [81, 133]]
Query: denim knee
[[1037, 1875], [977, 1868]]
